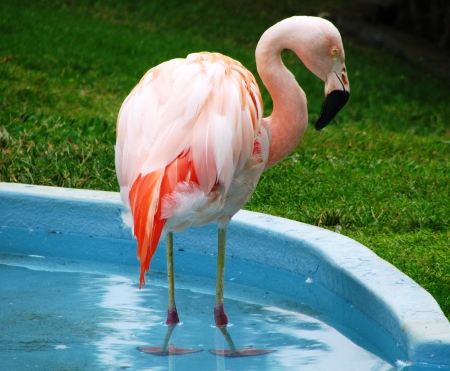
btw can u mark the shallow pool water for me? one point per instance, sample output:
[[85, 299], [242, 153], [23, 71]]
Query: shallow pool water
[[59, 318]]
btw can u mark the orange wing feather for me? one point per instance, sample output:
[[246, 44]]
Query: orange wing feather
[[146, 196]]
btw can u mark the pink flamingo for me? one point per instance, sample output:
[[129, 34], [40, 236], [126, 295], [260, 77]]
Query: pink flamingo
[[192, 142]]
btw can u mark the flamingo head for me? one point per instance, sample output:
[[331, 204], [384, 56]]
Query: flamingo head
[[337, 88], [321, 50], [318, 44], [327, 61]]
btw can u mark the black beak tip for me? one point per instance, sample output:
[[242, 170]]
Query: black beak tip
[[331, 106]]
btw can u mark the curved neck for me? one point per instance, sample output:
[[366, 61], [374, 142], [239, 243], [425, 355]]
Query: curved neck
[[289, 117]]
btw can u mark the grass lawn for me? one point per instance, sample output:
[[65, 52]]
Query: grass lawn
[[379, 173]]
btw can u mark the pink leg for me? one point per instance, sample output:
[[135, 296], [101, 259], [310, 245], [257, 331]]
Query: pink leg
[[220, 316], [172, 314], [219, 313]]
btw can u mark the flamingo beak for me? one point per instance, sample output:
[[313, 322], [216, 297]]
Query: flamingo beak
[[334, 100]]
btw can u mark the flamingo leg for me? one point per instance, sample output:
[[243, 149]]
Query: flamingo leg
[[219, 313], [167, 349], [220, 316], [236, 352], [228, 339], [172, 315]]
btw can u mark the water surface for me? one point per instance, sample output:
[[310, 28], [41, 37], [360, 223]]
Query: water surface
[[55, 317]]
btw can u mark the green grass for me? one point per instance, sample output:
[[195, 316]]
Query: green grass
[[379, 173]]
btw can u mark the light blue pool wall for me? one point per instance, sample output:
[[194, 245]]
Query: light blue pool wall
[[342, 267]]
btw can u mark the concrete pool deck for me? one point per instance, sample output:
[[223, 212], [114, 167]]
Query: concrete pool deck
[[337, 263]]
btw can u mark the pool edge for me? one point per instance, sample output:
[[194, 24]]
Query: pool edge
[[353, 272]]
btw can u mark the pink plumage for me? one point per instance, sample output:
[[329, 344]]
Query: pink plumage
[[191, 123]]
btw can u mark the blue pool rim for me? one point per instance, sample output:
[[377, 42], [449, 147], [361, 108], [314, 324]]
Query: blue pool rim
[[339, 264]]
